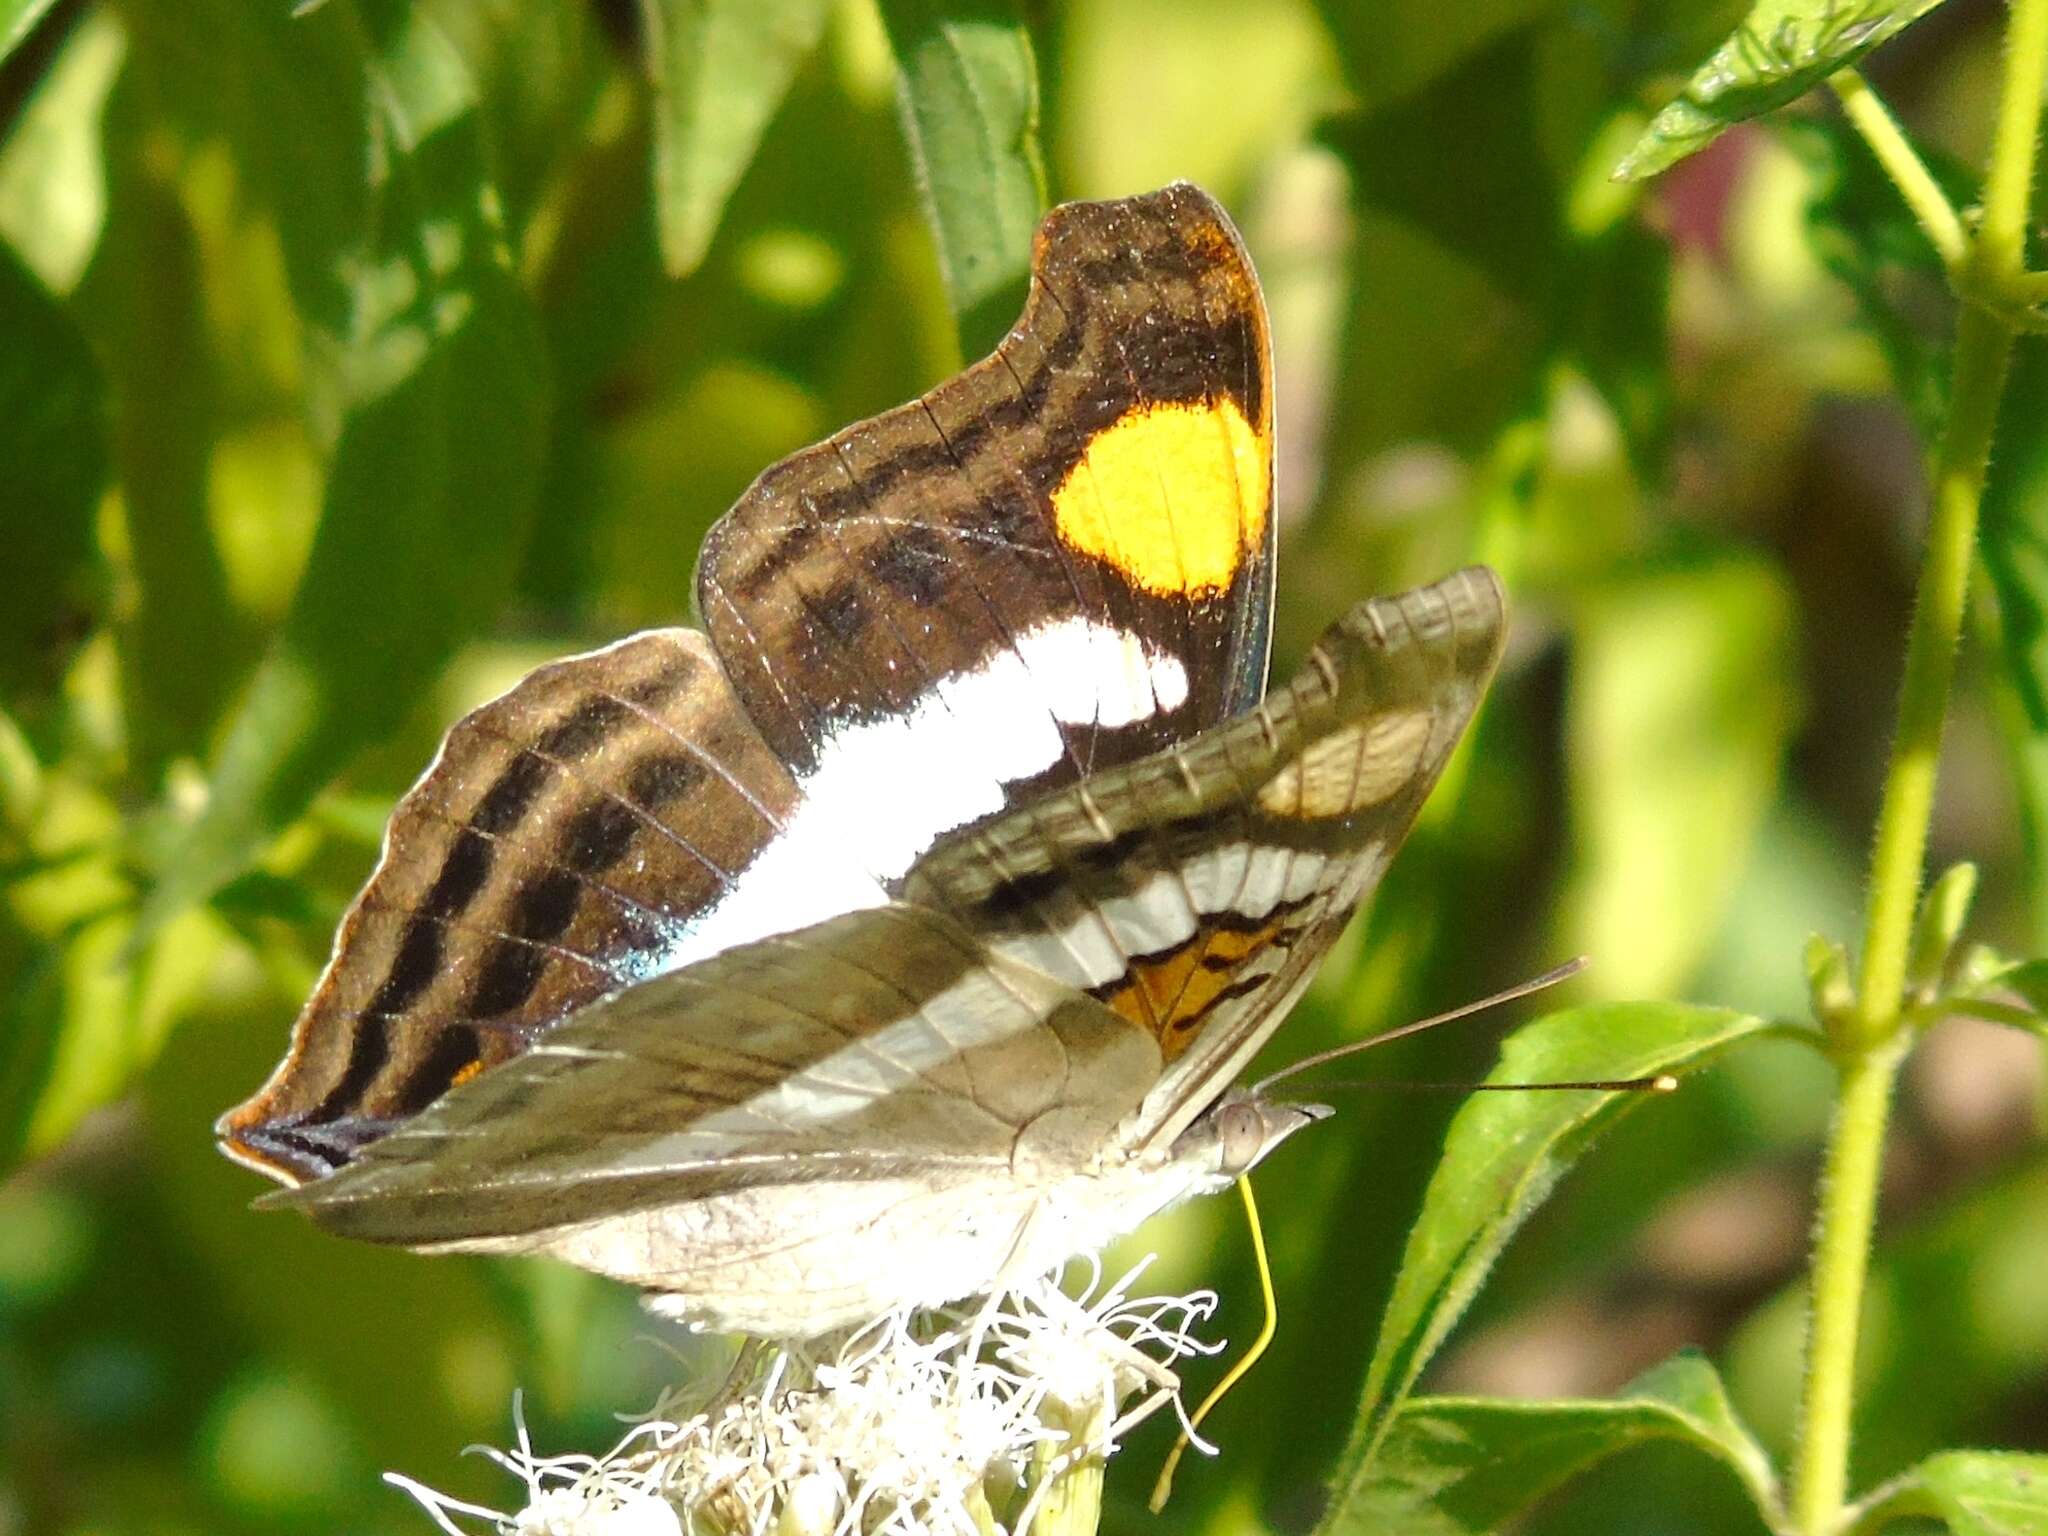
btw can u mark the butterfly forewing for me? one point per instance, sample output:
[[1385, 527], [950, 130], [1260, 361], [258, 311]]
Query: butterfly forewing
[[571, 837], [1055, 562]]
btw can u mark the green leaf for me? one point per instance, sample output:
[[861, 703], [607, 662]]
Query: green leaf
[[2015, 536], [1464, 1466], [1989, 995], [1943, 911], [2014, 543], [95, 1015], [1474, 224], [1425, 170], [1973, 1493], [18, 18], [32, 1023], [219, 71], [416, 1354], [968, 83], [1395, 48], [432, 485], [1503, 1155], [53, 438], [1830, 991], [721, 68], [52, 173], [182, 645], [1682, 694], [1781, 51], [1499, 211]]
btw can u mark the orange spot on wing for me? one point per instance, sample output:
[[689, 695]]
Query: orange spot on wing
[[1171, 994]]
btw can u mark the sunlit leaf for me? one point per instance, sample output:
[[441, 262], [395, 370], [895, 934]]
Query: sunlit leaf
[[1682, 702], [1781, 51], [721, 68], [1221, 140], [1972, 1493], [53, 194], [431, 488], [1502, 1157], [969, 96], [53, 442], [1467, 1466], [18, 18]]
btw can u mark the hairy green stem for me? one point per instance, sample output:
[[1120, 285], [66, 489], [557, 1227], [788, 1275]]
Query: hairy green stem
[[2009, 180], [1983, 351], [1868, 1041], [1841, 1260], [1923, 194]]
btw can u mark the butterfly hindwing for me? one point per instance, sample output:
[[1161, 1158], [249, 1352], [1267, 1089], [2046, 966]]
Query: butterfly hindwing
[[870, 1046], [1194, 891]]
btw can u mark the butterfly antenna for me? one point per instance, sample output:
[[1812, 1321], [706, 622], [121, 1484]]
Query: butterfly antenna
[[1163, 1489], [1520, 989], [1660, 1082]]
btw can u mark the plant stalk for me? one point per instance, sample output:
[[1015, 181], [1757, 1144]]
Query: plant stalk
[[1868, 1042], [1840, 1267], [2009, 179], [1983, 352], [1930, 205]]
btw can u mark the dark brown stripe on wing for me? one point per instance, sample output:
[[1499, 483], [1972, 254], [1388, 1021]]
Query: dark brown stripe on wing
[[566, 832]]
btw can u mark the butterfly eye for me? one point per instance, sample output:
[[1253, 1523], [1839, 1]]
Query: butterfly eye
[[1241, 1136]]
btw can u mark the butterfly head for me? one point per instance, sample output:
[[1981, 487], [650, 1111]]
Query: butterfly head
[[1238, 1131]]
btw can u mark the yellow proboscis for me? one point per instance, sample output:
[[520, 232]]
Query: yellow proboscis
[[1163, 1489], [1172, 495]]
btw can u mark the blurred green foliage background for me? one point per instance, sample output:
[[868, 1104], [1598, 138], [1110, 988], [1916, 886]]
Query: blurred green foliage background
[[349, 366]]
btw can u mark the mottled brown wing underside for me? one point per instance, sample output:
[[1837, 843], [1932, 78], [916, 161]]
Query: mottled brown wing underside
[[868, 1046], [567, 832], [1196, 890]]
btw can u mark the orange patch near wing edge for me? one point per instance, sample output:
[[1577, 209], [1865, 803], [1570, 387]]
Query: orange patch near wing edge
[[1174, 495], [1169, 994]]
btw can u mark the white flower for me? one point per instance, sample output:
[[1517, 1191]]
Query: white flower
[[955, 1423]]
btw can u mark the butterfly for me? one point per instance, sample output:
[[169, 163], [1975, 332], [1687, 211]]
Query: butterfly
[[901, 930]]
